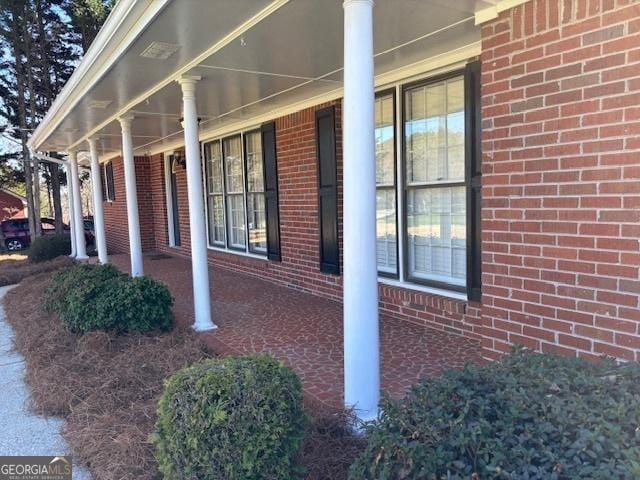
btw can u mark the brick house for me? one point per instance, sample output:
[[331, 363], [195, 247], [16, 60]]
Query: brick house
[[468, 166], [12, 205]]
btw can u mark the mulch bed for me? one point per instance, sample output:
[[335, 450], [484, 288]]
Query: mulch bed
[[14, 268], [107, 386]]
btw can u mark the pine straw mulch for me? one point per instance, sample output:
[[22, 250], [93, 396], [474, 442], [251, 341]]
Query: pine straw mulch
[[14, 268], [107, 388]]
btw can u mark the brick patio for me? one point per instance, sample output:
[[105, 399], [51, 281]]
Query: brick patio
[[303, 330]]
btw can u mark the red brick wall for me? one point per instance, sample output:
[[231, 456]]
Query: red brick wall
[[299, 268], [561, 178], [115, 213], [10, 206]]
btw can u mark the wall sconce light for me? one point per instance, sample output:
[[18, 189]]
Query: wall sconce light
[[179, 160]]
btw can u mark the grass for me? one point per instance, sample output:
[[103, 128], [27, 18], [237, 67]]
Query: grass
[[107, 386]]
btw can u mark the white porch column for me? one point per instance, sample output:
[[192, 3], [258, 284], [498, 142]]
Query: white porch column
[[78, 222], [361, 337], [135, 244], [98, 214], [199, 267], [72, 230]]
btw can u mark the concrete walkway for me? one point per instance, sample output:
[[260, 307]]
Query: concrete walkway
[[24, 433]]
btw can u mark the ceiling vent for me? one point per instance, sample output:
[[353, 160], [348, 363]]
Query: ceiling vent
[[160, 50], [99, 103]]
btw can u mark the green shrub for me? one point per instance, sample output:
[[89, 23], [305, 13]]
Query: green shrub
[[49, 246], [99, 297], [139, 304], [232, 419], [530, 416]]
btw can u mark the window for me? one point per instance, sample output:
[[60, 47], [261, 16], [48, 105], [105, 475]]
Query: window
[[434, 138], [236, 193], [257, 220], [234, 182], [215, 191], [437, 178], [110, 186], [386, 221]]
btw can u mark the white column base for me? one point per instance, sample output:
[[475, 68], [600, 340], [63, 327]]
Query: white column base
[[204, 328]]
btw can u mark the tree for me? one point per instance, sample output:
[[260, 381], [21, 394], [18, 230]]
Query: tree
[[40, 44], [87, 16]]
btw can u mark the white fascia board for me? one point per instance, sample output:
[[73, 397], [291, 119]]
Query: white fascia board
[[492, 12], [113, 39], [431, 66]]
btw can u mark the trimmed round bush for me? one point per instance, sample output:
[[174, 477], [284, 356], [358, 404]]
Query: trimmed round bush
[[134, 304], [100, 297], [530, 416], [48, 247], [232, 419]]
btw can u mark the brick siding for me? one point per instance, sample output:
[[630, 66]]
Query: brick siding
[[115, 212], [561, 178]]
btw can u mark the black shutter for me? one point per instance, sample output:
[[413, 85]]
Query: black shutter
[[327, 190], [103, 185], [270, 172], [474, 183], [111, 191]]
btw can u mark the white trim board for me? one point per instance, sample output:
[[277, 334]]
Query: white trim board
[[492, 12]]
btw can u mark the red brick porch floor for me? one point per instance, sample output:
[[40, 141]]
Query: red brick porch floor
[[303, 330]]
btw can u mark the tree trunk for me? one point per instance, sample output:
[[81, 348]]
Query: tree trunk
[[32, 123], [49, 96], [54, 172]]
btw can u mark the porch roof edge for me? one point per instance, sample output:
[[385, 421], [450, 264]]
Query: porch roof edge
[[493, 11]]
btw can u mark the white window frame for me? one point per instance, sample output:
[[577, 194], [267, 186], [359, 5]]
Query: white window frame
[[233, 250], [168, 192], [402, 280]]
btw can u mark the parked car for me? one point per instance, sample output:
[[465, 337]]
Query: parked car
[[17, 237]]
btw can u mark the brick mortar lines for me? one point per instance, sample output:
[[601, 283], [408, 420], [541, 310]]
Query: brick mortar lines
[[538, 86]]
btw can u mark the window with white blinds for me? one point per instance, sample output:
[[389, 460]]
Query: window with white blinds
[[436, 216]]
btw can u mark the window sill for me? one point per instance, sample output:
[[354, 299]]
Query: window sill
[[424, 289], [238, 253]]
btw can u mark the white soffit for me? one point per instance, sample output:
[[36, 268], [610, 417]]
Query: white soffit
[[255, 57]]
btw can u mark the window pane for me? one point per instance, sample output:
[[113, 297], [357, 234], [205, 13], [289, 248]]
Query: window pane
[[235, 215], [233, 164], [257, 222], [255, 179], [434, 132], [384, 137], [214, 168], [436, 229], [386, 237], [216, 220]]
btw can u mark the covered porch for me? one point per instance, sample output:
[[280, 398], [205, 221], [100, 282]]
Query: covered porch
[[303, 330]]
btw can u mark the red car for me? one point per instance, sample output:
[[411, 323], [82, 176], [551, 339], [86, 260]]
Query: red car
[[17, 237]]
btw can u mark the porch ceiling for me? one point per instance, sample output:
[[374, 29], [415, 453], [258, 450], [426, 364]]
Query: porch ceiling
[[254, 57]]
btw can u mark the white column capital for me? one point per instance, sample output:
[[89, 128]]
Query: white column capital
[[349, 3], [188, 85], [93, 143], [125, 122], [73, 154]]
